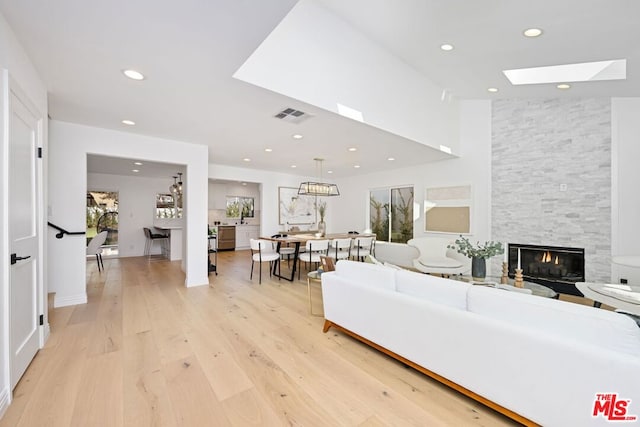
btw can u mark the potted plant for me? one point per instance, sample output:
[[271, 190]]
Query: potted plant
[[322, 211], [478, 254]]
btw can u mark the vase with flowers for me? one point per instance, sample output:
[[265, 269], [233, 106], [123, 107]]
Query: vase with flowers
[[478, 253], [322, 211]]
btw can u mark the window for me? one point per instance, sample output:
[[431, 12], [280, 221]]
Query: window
[[391, 214], [240, 207], [166, 206]]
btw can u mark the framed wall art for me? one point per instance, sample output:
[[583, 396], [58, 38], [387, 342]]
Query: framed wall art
[[294, 209], [448, 210]]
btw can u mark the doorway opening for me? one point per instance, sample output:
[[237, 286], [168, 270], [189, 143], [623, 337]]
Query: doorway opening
[[102, 215]]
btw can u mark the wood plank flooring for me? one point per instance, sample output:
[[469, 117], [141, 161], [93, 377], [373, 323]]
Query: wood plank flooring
[[146, 351]]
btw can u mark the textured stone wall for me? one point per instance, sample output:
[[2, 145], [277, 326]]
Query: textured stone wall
[[551, 176]]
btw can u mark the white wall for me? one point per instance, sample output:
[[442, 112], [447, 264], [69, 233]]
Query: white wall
[[136, 207], [14, 63], [350, 210], [70, 144], [317, 47], [625, 176]]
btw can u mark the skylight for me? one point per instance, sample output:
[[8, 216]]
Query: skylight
[[349, 112], [587, 71]]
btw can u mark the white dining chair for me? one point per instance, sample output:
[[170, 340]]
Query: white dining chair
[[313, 250], [262, 251], [362, 246], [340, 249]]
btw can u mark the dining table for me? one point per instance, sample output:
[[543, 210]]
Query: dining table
[[299, 239]]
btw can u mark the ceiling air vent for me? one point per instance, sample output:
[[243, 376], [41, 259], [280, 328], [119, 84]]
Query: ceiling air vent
[[292, 115]]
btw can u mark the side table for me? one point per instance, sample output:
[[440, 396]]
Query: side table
[[315, 277]]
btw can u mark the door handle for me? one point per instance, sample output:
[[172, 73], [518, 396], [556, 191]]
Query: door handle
[[15, 258]]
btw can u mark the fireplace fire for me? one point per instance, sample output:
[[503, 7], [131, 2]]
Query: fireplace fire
[[557, 267]]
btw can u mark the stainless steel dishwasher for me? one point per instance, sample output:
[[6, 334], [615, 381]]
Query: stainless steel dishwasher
[[226, 237]]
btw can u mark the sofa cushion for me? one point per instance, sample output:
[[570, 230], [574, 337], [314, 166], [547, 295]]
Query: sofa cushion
[[569, 321], [368, 274], [447, 292]]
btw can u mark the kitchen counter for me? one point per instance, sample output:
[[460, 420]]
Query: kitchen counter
[[175, 241]]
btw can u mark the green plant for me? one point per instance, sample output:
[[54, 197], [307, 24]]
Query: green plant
[[486, 250], [402, 210], [322, 209], [379, 219]]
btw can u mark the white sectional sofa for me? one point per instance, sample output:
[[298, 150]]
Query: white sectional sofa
[[537, 360]]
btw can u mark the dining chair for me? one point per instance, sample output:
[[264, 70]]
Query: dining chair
[[340, 249], [313, 250], [95, 248], [285, 249], [262, 251], [362, 247]]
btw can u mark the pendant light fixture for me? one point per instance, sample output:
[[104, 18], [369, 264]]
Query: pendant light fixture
[[319, 188], [176, 188]]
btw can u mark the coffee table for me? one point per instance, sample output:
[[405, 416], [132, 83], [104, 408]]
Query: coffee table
[[621, 296], [535, 288]]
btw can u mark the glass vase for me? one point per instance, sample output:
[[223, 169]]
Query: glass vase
[[322, 228]]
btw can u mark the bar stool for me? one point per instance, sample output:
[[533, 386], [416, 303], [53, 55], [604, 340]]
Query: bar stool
[[151, 237]]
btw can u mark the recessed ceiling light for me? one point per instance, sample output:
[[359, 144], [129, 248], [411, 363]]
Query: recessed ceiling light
[[563, 86], [329, 171], [297, 136], [244, 183], [246, 159], [492, 89], [532, 32], [135, 170], [356, 166], [133, 74], [268, 150], [446, 47], [293, 166], [137, 163], [129, 122], [353, 149], [391, 159]]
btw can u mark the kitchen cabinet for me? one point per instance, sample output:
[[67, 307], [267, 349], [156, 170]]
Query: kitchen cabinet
[[244, 233], [226, 237]]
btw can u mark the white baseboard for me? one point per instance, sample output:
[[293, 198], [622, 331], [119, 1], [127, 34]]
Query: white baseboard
[[59, 301], [5, 400]]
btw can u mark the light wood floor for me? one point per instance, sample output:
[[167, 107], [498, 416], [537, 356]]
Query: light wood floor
[[146, 351]]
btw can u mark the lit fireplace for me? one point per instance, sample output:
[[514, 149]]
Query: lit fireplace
[[556, 267]]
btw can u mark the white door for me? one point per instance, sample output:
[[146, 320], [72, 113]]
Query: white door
[[23, 235]]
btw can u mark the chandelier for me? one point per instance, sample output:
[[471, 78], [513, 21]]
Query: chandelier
[[310, 188], [176, 188]]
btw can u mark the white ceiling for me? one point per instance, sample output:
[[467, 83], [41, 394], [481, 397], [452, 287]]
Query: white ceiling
[[123, 166], [189, 51]]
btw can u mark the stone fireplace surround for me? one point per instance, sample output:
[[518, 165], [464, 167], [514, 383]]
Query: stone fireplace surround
[[551, 177]]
